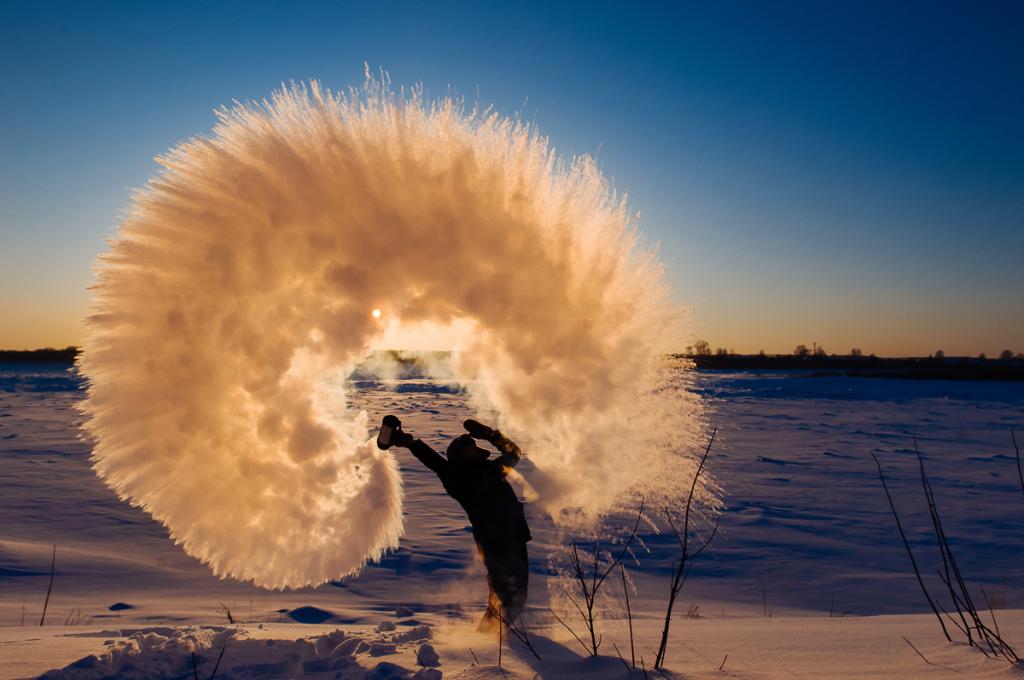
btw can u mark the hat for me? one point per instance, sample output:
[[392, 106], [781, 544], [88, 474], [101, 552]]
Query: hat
[[463, 449]]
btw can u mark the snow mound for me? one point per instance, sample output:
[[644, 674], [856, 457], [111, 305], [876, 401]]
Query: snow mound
[[237, 653]]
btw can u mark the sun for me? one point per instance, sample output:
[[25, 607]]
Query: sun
[[375, 314]]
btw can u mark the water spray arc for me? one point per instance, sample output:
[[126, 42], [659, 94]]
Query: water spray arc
[[270, 254]]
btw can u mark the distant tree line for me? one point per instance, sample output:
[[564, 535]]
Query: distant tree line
[[702, 348], [45, 355]]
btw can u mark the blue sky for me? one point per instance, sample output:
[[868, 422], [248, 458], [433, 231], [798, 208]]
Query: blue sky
[[848, 174]]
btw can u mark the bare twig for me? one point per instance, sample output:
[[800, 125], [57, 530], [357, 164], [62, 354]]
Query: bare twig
[[590, 583], [216, 666], [629, 616], [566, 626], [711, 537], [518, 630], [723, 663], [474, 656], [628, 670], [195, 668], [589, 595], [925, 659], [644, 667], [46, 602], [683, 538], [574, 603]]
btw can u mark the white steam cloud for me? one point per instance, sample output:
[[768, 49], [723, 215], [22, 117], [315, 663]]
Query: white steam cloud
[[241, 285]]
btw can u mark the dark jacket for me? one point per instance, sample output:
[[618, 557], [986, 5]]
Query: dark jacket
[[483, 491]]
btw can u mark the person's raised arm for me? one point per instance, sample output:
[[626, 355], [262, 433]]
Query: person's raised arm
[[396, 436], [428, 456], [510, 452]]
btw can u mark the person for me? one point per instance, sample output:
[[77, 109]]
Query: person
[[481, 487]]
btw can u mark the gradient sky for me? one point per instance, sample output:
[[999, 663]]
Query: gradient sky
[[850, 174]]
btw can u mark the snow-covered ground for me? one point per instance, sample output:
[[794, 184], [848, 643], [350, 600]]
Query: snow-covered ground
[[806, 530], [788, 648]]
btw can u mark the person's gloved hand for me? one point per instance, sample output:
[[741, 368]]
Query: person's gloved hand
[[402, 438], [397, 436], [478, 430]]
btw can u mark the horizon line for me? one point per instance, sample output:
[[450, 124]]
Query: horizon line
[[687, 353]]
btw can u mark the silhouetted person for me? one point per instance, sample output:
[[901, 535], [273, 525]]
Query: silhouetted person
[[495, 512]]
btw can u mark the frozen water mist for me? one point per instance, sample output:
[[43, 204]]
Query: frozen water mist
[[245, 274]]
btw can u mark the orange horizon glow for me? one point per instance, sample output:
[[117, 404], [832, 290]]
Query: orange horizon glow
[[27, 328]]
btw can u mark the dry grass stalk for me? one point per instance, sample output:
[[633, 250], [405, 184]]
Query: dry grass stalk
[[764, 597], [834, 613], [227, 612], [906, 545], [988, 640], [1020, 467], [46, 602], [955, 583]]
